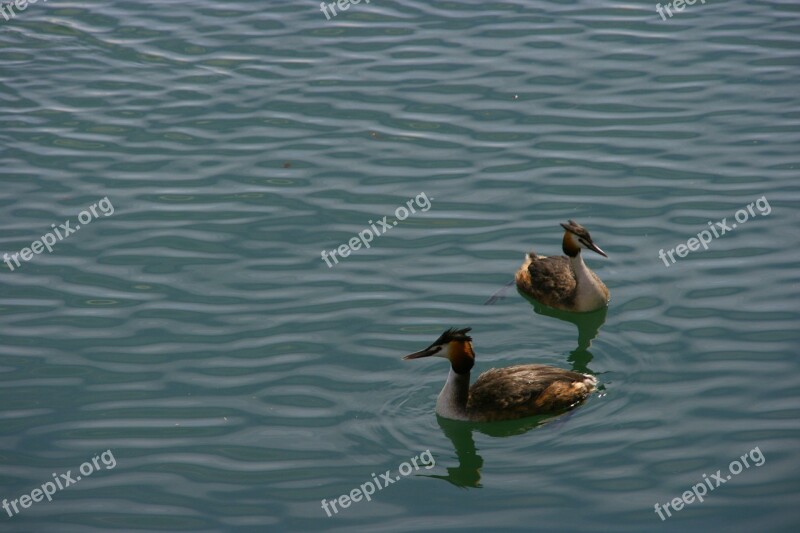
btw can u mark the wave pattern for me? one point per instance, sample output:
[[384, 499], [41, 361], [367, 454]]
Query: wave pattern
[[198, 333]]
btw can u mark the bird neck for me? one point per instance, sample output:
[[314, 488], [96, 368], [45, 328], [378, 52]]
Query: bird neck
[[589, 290], [570, 246], [580, 269], [452, 401]]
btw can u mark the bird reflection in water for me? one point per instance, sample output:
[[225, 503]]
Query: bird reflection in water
[[588, 325], [468, 472]]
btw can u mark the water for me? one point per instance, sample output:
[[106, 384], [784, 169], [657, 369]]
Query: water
[[198, 336]]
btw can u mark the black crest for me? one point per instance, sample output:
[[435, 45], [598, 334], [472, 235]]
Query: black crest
[[453, 334]]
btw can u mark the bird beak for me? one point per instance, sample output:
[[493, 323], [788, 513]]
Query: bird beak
[[593, 247], [427, 352]]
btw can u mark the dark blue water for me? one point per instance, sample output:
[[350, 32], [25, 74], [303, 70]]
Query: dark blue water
[[196, 335]]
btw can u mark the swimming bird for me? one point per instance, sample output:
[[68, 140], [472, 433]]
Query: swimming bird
[[501, 393], [564, 282]]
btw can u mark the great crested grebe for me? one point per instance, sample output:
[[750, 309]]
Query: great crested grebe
[[501, 393], [564, 282]]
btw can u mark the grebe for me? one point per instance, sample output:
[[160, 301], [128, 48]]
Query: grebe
[[564, 282], [501, 393]]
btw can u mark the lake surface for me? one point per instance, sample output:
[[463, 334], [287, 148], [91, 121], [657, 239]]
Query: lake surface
[[191, 330]]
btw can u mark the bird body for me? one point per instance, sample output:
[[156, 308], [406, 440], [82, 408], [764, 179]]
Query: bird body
[[501, 393], [564, 282]]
